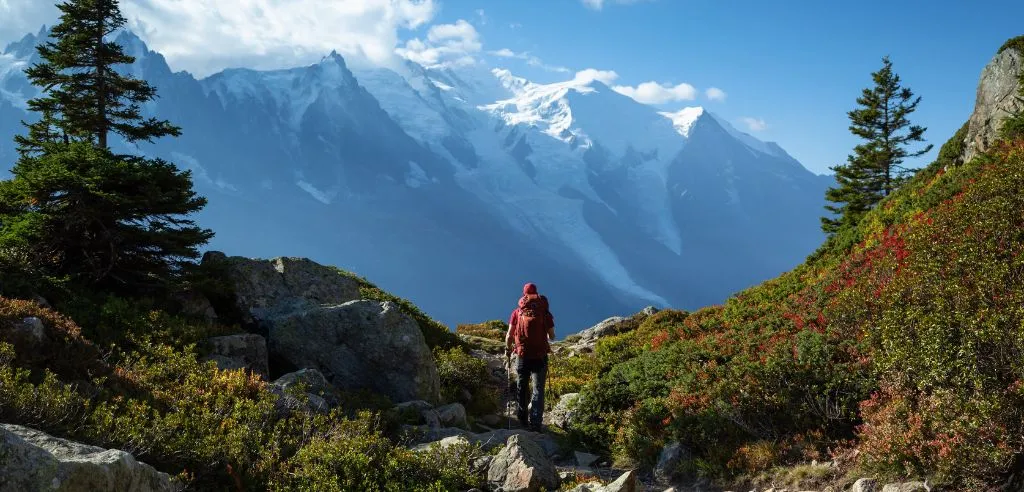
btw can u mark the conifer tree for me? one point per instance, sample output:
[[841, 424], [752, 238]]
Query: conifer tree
[[82, 86], [75, 208], [875, 169]]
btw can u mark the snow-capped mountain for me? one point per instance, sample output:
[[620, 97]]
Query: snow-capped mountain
[[454, 186]]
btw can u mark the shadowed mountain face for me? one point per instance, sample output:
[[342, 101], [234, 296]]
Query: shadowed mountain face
[[454, 187]]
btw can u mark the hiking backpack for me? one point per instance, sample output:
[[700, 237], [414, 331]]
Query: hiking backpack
[[531, 331]]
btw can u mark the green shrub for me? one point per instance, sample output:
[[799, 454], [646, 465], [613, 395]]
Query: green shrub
[[211, 429], [1016, 43], [908, 339], [459, 372], [351, 455], [492, 330], [49, 404]]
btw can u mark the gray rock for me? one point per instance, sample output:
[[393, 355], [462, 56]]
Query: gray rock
[[588, 338], [995, 101], [668, 462], [495, 438], [431, 418], [564, 413], [319, 394], [522, 466], [197, 305], [32, 460], [32, 327], [242, 351], [442, 444], [413, 406], [587, 487], [488, 441], [311, 379], [491, 420], [480, 465], [865, 485], [452, 415], [650, 311], [607, 327], [360, 345], [906, 486], [281, 286], [585, 459], [625, 483]]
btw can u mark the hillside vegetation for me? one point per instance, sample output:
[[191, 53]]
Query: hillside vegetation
[[896, 349]]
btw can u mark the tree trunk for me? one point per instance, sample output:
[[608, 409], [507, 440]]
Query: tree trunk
[[101, 89]]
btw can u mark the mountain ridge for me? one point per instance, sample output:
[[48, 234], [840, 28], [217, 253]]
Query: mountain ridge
[[554, 187]]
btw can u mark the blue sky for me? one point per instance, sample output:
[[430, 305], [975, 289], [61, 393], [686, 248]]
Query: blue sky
[[797, 68], [792, 69]]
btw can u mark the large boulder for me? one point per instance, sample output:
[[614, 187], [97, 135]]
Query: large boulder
[[360, 345], [996, 100], [522, 466], [269, 288], [247, 350], [313, 317], [31, 460]]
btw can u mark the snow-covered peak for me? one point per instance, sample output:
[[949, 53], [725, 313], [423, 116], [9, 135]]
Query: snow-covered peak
[[289, 92], [516, 85], [584, 112], [684, 119]]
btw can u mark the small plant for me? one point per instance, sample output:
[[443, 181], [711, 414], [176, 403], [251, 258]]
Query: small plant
[[466, 379]]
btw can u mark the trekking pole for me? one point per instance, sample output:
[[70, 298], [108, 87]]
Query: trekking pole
[[509, 391]]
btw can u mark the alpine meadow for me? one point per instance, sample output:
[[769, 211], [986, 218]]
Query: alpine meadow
[[299, 276]]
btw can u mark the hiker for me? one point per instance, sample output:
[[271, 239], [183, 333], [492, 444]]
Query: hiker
[[530, 327]]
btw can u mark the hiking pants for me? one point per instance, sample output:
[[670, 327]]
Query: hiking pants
[[535, 370]]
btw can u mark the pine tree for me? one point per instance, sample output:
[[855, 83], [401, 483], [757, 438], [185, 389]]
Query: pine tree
[[875, 169], [82, 87], [74, 208]]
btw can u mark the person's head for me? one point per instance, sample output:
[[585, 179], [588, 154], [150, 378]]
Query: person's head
[[530, 289]]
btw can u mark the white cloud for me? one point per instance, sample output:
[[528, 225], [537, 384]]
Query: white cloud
[[21, 17], [715, 94], [655, 93], [446, 44], [754, 124], [204, 36], [591, 74], [599, 4], [530, 60], [505, 53]]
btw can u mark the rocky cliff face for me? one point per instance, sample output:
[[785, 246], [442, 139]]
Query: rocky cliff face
[[998, 98]]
